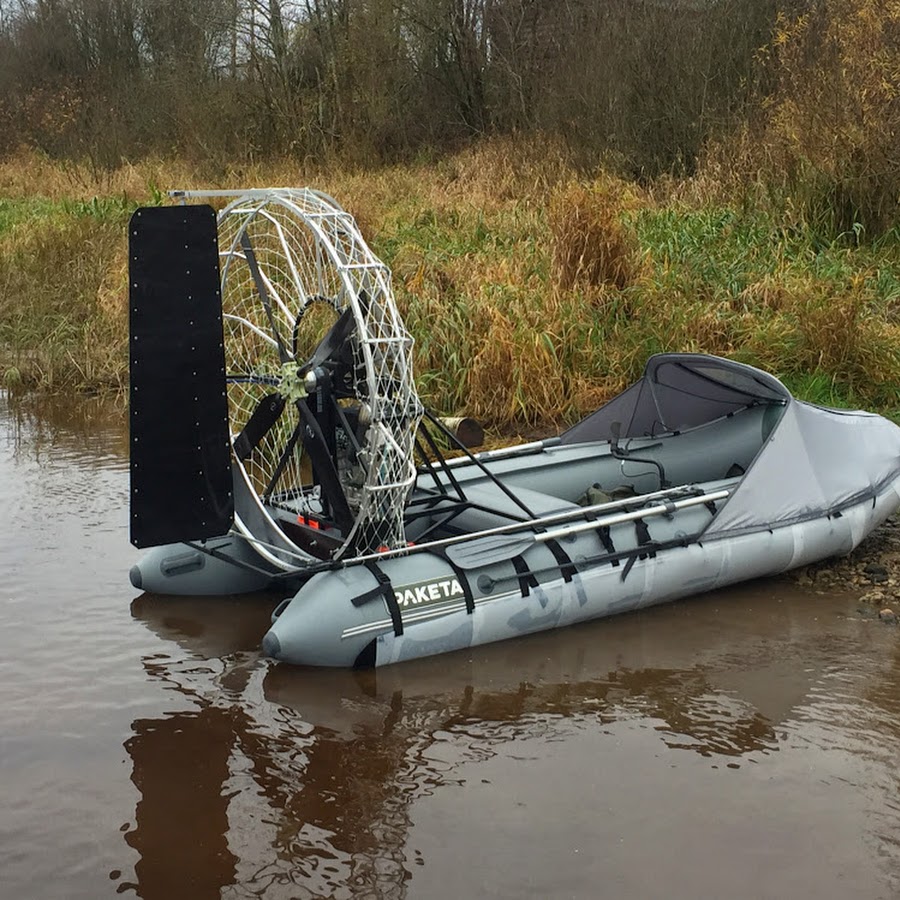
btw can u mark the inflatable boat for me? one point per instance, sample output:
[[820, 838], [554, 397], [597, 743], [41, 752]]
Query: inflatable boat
[[277, 441]]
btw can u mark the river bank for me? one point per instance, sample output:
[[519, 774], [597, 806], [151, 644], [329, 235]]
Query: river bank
[[872, 570], [534, 290]]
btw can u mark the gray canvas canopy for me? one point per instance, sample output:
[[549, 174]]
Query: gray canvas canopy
[[813, 461], [816, 462], [679, 391]]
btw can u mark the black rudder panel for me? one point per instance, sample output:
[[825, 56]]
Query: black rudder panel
[[181, 486]]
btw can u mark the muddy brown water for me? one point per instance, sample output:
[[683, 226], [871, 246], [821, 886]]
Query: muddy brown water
[[743, 744]]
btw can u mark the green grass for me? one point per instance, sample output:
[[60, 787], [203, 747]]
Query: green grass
[[20, 211], [823, 318], [498, 335], [61, 312]]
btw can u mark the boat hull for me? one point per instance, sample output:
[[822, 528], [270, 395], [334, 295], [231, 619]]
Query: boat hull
[[343, 617], [223, 565]]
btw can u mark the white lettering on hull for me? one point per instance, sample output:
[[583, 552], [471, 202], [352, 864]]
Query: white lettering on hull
[[411, 595]]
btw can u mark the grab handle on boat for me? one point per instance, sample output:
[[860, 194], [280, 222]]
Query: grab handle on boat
[[281, 608]]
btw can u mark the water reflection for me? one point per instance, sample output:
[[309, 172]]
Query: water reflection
[[181, 765], [77, 428], [315, 771]]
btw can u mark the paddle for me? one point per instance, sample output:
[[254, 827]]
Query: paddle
[[496, 548]]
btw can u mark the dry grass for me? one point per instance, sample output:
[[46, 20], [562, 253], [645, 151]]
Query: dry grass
[[591, 245], [61, 316], [532, 295], [819, 145], [26, 174]]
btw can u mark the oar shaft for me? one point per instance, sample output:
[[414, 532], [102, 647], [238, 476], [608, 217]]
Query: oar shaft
[[618, 519], [514, 530]]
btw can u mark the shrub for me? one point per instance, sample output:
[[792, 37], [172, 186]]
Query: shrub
[[832, 118], [591, 246]]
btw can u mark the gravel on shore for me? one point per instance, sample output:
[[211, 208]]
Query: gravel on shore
[[872, 570]]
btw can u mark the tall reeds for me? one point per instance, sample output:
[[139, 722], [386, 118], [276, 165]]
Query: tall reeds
[[533, 292]]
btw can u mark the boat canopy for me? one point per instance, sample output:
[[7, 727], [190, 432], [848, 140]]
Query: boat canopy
[[814, 464], [679, 391], [813, 461]]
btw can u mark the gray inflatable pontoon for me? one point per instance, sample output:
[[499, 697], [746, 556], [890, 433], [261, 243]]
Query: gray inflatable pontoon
[[291, 462]]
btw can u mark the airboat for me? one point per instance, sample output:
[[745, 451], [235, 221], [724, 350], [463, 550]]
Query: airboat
[[278, 442]]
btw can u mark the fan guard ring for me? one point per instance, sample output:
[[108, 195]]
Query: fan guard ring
[[282, 251]]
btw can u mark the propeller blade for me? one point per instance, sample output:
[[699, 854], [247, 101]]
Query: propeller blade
[[323, 465], [333, 340], [250, 256], [260, 423]]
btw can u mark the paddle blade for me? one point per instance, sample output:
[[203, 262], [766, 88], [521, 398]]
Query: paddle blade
[[488, 550]]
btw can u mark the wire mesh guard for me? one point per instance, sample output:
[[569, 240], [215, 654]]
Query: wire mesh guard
[[306, 303]]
